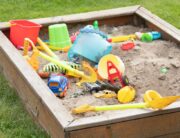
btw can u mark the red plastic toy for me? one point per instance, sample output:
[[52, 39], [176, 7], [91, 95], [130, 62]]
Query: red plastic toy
[[116, 74], [21, 29], [73, 37], [128, 46]]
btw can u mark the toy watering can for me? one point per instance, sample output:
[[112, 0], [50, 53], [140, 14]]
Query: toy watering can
[[90, 44]]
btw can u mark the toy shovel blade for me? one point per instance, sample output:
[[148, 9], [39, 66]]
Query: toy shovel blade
[[83, 109], [92, 77], [161, 103]]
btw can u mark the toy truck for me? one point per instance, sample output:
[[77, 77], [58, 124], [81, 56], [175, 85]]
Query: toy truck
[[58, 84]]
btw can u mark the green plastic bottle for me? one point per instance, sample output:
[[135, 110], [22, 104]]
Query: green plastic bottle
[[59, 36]]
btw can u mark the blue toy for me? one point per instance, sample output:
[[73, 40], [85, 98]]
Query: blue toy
[[155, 35], [58, 84], [90, 44]]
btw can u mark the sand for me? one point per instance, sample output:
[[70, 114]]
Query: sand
[[143, 67]]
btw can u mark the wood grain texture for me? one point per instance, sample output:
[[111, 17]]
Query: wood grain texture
[[156, 126], [119, 116], [170, 135], [82, 17]]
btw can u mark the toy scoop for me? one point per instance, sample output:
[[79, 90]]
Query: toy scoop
[[155, 101]]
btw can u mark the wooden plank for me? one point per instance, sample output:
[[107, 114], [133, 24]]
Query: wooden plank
[[156, 23], [140, 128], [119, 116], [82, 17], [38, 99], [115, 21], [170, 135]]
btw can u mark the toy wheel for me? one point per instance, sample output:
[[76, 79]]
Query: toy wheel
[[125, 80], [68, 85], [56, 94], [61, 95], [64, 93]]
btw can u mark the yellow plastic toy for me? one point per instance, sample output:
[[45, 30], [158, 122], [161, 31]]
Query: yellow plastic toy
[[151, 95], [42, 46], [126, 94], [156, 101], [162, 102], [102, 65], [87, 108], [92, 77], [33, 59], [73, 72], [105, 94], [46, 48], [65, 49], [153, 100], [26, 46], [55, 48], [123, 38]]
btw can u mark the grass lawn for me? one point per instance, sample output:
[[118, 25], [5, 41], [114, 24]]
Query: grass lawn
[[14, 120]]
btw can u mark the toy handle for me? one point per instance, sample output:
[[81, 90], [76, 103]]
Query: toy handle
[[120, 106], [46, 48], [9, 24]]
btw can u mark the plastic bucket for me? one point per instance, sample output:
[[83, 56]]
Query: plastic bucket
[[59, 36], [21, 29]]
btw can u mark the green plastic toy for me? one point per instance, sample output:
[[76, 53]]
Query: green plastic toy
[[146, 37], [164, 70], [59, 37], [95, 25]]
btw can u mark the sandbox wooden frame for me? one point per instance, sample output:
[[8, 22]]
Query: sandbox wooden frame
[[49, 112]]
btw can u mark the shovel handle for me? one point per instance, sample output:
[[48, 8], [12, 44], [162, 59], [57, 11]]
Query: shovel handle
[[120, 106]]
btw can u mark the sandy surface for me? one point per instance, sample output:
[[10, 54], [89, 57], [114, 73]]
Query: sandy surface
[[143, 65]]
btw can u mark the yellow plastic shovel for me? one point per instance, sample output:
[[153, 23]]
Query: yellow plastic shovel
[[154, 103]]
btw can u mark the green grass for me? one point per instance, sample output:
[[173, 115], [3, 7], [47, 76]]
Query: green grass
[[14, 120], [16, 9]]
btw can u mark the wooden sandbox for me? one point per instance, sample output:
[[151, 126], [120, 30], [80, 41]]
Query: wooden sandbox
[[51, 114]]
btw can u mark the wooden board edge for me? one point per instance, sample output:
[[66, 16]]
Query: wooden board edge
[[119, 116], [158, 22], [80, 17], [45, 99], [170, 135], [160, 125]]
